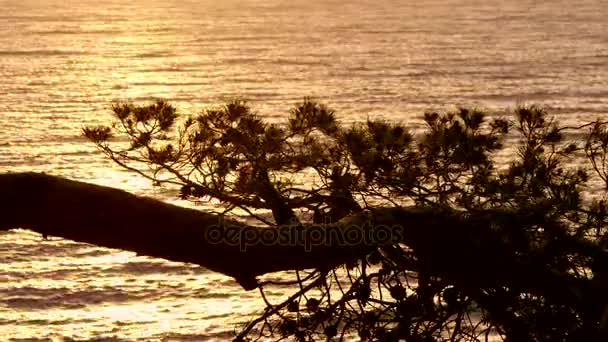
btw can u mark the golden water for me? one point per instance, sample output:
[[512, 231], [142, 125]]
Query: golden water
[[62, 63]]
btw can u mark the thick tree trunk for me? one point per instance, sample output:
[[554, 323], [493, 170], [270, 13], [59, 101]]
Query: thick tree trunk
[[113, 218]]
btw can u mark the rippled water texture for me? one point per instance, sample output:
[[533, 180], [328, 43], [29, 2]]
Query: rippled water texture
[[63, 62]]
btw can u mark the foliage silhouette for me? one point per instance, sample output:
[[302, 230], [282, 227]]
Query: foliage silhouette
[[511, 250]]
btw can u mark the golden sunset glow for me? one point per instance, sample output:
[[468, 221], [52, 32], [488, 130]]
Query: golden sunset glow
[[63, 64]]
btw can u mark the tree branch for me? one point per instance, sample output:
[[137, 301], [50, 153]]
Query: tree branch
[[113, 218]]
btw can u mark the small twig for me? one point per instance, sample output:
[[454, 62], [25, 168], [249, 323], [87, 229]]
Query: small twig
[[269, 311]]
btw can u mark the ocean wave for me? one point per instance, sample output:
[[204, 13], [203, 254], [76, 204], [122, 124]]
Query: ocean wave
[[154, 54], [155, 267], [46, 322], [42, 53], [75, 31], [29, 297]]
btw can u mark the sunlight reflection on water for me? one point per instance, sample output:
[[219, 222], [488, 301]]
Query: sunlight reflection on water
[[62, 64]]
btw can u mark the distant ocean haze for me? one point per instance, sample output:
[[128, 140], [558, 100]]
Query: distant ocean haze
[[63, 63]]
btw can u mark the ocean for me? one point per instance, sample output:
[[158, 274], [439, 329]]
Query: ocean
[[63, 63]]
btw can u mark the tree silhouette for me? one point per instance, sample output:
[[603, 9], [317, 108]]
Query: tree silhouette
[[427, 237]]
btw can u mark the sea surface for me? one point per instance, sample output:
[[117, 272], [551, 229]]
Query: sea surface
[[62, 64]]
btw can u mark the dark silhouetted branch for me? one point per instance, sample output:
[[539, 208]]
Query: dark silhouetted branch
[[113, 218]]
